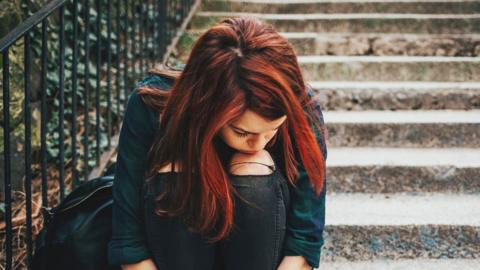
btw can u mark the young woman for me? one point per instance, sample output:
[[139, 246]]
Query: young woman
[[221, 165]]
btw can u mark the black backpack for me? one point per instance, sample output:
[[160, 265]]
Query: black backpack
[[77, 231]]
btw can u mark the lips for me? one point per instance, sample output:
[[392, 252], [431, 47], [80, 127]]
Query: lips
[[250, 153]]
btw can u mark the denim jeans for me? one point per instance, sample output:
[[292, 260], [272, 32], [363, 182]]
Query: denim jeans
[[255, 242]]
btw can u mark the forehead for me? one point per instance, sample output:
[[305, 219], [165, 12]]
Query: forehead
[[253, 122]]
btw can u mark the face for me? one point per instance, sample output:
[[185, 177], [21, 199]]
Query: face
[[250, 133]]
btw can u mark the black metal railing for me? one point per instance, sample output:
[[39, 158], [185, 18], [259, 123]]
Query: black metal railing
[[71, 47]]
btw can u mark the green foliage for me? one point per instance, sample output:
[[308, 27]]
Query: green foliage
[[24, 9]]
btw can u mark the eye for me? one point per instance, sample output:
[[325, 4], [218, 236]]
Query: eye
[[239, 134]]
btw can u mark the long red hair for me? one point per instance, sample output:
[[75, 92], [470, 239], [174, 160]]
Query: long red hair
[[238, 64]]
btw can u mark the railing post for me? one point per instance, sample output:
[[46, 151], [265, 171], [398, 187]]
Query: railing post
[[27, 149], [61, 113], [75, 175], [86, 90], [6, 156]]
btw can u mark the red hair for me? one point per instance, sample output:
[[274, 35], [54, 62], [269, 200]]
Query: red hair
[[238, 64]]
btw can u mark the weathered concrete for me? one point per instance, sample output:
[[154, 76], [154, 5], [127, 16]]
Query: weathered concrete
[[408, 157], [355, 22], [394, 179], [361, 209], [397, 95], [403, 128], [429, 7], [412, 264], [377, 242], [307, 43], [390, 68], [384, 44], [407, 117], [392, 134]]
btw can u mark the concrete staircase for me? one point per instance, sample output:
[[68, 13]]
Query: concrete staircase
[[399, 84]]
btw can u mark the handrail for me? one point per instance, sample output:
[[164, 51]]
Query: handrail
[[29, 23]]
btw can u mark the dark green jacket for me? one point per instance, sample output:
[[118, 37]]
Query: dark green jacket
[[305, 224]]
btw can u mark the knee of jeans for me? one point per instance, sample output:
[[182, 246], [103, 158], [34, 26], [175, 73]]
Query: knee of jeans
[[254, 164]]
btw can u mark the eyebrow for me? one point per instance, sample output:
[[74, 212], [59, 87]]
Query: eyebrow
[[245, 131]]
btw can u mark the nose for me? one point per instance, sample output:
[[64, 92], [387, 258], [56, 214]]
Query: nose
[[256, 143]]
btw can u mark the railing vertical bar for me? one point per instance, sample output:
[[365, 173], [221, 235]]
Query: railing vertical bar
[[6, 160], [170, 20], [141, 30], [61, 116], [27, 149], [74, 95], [184, 9], [109, 71], [167, 20], [155, 31], [126, 56], [43, 122], [117, 72], [148, 34], [134, 46], [87, 77], [97, 89], [162, 28]]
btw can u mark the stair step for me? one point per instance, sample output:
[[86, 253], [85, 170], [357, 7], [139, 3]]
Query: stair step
[[391, 170], [350, 6], [360, 209], [408, 179], [403, 157], [354, 22], [390, 68], [401, 117], [363, 227], [374, 95], [403, 185], [430, 129], [309, 43], [416, 264], [360, 243], [384, 44]]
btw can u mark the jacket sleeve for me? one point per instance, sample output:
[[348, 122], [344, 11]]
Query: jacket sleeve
[[304, 233], [128, 244]]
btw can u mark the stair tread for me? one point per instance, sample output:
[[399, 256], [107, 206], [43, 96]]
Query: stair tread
[[403, 264], [415, 157], [353, 34], [402, 209], [395, 85], [343, 1], [338, 16], [298, 35], [383, 59], [403, 116]]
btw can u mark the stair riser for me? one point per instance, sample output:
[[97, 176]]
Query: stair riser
[[439, 135], [398, 99], [392, 71], [358, 45], [406, 264], [355, 243], [361, 25], [370, 44], [395, 179], [368, 7]]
